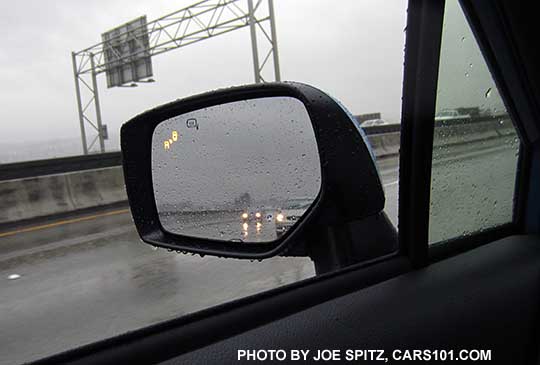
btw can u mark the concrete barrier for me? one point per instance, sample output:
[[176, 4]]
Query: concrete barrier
[[385, 144], [39, 196], [62, 192], [385, 140]]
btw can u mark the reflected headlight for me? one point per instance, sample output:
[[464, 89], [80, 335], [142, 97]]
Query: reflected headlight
[[259, 224], [257, 215], [244, 215], [245, 226], [280, 217]]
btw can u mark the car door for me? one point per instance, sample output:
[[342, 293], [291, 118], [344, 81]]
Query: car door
[[465, 282]]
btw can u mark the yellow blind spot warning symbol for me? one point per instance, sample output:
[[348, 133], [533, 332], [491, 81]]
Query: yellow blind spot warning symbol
[[167, 143]]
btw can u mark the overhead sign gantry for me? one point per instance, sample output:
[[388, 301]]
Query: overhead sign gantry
[[125, 53]]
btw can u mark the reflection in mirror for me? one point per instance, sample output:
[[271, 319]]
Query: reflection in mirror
[[242, 171]]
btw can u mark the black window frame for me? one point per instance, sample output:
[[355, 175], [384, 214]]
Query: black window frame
[[487, 22], [422, 51]]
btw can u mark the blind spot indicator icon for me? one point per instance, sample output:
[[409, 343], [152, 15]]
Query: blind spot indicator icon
[[192, 123]]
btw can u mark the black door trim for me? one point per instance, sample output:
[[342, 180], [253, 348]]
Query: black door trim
[[424, 29]]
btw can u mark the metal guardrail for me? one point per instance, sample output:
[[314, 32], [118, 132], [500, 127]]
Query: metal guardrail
[[19, 170], [393, 128], [60, 165]]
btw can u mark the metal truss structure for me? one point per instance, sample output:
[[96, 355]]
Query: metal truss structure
[[203, 20]]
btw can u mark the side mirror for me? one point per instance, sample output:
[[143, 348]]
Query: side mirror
[[247, 172]]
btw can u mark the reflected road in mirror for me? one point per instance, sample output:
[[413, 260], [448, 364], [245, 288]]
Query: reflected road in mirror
[[241, 171], [224, 224]]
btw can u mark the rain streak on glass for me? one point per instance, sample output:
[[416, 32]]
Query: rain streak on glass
[[244, 171]]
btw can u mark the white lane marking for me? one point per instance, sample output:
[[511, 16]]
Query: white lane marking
[[392, 183], [13, 277]]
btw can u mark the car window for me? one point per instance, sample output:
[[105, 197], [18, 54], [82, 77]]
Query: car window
[[475, 145], [72, 267]]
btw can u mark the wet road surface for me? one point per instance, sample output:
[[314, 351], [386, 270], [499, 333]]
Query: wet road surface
[[78, 282]]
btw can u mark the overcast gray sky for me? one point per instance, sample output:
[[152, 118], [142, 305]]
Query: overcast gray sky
[[349, 48]]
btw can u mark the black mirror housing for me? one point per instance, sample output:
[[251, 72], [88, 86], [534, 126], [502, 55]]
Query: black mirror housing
[[350, 185]]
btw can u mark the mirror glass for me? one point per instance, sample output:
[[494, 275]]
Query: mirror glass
[[242, 171]]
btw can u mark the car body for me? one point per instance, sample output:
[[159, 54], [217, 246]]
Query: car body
[[252, 215], [450, 114], [373, 123]]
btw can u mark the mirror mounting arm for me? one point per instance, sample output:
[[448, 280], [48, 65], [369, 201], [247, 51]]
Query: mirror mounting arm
[[330, 248], [350, 243]]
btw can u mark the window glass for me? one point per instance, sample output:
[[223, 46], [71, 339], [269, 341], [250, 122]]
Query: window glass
[[475, 146], [72, 267]]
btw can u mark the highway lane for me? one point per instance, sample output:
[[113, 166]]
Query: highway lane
[[87, 280], [227, 226]]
